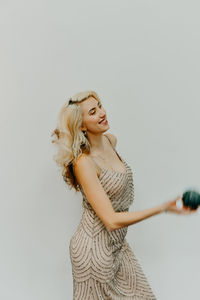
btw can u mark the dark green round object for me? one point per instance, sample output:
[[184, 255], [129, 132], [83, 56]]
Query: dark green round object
[[191, 199]]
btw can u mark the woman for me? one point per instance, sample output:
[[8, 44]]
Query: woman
[[103, 264]]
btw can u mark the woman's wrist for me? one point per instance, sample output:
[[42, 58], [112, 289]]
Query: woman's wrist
[[164, 208]]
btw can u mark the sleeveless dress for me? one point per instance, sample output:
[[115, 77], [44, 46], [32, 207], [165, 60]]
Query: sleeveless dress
[[104, 266]]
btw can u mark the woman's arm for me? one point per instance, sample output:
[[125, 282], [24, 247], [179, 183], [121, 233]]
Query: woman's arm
[[123, 219], [86, 175]]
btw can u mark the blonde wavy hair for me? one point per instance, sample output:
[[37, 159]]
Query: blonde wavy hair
[[70, 140]]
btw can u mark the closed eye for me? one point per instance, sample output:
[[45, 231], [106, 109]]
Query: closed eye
[[100, 105]]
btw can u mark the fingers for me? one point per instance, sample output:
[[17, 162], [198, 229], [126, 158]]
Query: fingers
[[192, 210], [179, 197], [182, 211], [188, 211]]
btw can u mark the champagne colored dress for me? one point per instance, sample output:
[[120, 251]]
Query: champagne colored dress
[[104, 266]]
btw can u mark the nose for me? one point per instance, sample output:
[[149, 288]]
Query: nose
[[102, 116], [103, 112]]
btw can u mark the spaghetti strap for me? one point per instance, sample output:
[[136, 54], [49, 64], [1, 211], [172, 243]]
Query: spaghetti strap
[[110, 141], [114, 149], [99, 168]]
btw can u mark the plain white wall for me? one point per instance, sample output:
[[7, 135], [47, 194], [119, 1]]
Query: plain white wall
[[142, 58]]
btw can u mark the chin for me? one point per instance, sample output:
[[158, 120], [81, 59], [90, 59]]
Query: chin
[[106, 129]]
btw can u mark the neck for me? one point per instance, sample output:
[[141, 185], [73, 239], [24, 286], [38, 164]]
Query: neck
[[97, 142]]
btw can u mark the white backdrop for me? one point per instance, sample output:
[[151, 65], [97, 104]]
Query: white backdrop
[[142, 58]]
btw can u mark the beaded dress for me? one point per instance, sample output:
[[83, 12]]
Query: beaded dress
[[104, 266]]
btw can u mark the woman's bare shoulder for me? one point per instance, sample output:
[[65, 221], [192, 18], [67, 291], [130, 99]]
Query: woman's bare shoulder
[[112, 138], [83, 159], [84, 162]]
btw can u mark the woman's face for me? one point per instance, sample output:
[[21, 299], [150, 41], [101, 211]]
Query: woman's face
[[93, 114]]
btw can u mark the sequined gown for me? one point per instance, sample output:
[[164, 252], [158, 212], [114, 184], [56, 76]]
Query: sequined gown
[[104, 266]]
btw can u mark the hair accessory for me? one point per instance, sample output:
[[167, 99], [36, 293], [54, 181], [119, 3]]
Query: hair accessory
[[68, 102]]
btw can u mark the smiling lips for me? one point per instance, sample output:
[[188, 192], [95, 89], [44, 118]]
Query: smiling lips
[[103, 121]]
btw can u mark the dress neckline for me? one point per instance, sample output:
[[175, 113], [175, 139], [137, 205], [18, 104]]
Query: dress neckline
[[113, 171]]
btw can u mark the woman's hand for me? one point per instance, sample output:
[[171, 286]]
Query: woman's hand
[[170, 206]]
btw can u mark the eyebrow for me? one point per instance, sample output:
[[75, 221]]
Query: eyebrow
[[93, 107]]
